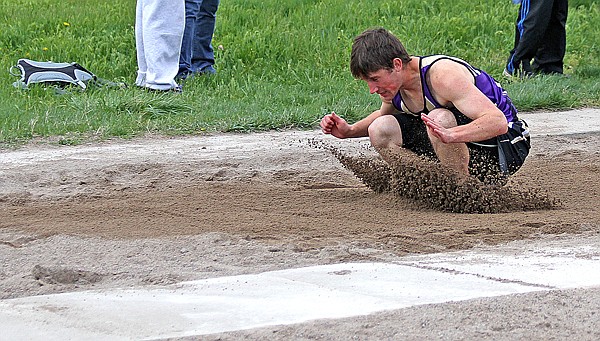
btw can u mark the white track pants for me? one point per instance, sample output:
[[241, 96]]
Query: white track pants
[[159, 26]]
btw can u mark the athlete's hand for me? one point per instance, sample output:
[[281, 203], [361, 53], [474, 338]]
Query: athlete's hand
[[335, 125], [443, 134]]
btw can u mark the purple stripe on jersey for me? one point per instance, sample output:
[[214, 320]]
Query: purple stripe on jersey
[[397, 102]]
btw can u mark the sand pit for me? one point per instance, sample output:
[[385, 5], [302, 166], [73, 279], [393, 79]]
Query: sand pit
[[160, 210]]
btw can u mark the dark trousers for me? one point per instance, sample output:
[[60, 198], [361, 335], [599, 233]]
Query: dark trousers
[[540, 35]]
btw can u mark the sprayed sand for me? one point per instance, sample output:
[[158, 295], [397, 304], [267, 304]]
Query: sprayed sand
[[420, 179]]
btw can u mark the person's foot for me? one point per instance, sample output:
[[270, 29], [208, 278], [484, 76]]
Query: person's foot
[[182, 76], [521, 74], [550, 72], [522, 71], [176, 89], [209, 70], [507, 73]]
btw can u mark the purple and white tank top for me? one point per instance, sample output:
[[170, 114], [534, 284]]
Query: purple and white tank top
[[484, 82]]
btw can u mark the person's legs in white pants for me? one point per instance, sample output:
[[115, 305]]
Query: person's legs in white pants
[[158, 31]]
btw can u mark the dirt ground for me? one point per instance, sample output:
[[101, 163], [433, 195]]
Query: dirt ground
[[158, 210]]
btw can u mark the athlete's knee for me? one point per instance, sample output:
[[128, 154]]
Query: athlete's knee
[[444, 117], [384, 132]]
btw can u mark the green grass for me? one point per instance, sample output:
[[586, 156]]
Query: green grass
[[283, 64]]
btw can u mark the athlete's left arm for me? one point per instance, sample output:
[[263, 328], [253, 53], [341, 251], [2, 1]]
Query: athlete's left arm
[[453, 84]]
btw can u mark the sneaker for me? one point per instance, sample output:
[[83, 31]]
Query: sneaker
[[176, 89], [522, 71], [521, 74]]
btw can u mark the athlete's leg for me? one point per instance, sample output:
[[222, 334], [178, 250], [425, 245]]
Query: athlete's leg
[[385, 134], [453, 155]]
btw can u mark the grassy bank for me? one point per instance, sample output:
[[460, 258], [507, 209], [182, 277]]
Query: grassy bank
[[283, 63]]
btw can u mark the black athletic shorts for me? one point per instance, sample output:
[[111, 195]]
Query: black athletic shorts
[[491, 160]]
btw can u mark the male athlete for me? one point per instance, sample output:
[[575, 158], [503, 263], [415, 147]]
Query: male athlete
[[436, 106]]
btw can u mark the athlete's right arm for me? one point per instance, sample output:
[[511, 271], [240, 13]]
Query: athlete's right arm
[[338, 127]]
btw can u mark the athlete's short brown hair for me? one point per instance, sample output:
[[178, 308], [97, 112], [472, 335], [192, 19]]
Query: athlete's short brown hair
[[373, 50]]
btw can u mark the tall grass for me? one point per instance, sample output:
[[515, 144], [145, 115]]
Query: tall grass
[[282, 64]]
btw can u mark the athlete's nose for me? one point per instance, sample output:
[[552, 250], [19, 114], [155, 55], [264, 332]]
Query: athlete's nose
[[372, 87]]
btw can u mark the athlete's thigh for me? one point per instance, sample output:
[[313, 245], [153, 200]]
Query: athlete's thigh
[[414, 134]]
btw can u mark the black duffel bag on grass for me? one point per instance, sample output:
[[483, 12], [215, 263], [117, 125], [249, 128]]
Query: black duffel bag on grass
[[59, 74]]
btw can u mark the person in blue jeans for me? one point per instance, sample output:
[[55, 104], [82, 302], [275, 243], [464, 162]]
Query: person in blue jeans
[[197, 55]]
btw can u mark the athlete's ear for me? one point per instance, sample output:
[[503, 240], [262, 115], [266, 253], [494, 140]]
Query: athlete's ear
[[398, 64]]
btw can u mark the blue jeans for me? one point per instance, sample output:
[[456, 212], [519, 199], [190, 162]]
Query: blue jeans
[[197, 55]]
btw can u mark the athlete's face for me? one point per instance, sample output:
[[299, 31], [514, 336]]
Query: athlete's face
[[383, 82]]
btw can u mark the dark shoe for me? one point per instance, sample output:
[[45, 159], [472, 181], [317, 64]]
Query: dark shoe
[[209, 70], [182, 76], [550, 73]]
